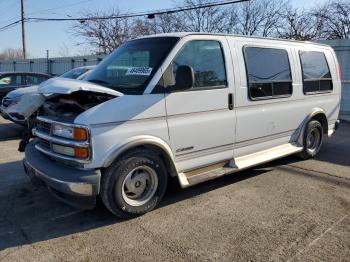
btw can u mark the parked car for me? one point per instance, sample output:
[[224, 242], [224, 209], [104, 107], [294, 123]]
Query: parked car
[[78, 73], [14, 96], [13, 80], [188, 105]]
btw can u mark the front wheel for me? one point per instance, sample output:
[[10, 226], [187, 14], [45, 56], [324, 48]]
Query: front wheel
[[134, 184], [313, 138]]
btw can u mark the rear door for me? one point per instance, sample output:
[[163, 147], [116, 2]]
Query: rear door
[[265, 101], [201, 121]]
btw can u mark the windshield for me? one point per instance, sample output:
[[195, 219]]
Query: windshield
[[131, 66], [75, 73]]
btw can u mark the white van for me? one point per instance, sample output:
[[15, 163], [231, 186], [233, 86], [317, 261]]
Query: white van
[[188, 105]]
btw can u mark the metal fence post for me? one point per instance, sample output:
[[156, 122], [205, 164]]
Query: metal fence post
[[31, 62]]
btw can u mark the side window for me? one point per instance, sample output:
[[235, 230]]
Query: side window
[[207, 60], [316, 75], [32, 80], [269, 73], [5, 81], [12, 80]]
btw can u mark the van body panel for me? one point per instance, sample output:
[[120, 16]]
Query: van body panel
[[201, 125], [200, 131], [132, 116]]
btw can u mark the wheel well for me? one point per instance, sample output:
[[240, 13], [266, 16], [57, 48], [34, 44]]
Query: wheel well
[[323, 120], [161, 153]]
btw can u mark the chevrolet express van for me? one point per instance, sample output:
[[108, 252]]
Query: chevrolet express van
[[187, 105]]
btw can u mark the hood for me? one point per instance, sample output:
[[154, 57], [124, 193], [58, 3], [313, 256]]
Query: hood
[[22, 91], [66, 86]]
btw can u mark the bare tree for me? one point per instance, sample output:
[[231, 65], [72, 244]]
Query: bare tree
[[337, 19], [209, 19], [103, 34], [259, 17], [303, 25], [165, 23], [11, 54], [168, 23]]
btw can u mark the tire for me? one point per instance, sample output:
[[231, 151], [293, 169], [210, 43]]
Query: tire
[[312, 140], [134, 184]]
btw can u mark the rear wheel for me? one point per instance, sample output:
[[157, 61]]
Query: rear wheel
[[134, 184], [313, 138]]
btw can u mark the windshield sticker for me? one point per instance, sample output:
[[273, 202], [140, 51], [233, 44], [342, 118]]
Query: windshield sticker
[[139, 71]]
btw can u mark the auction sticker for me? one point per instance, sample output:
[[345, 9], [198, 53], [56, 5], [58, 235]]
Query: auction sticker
[[139, 71]]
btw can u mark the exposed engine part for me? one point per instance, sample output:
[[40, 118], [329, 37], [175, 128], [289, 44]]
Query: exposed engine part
[[68, 107]]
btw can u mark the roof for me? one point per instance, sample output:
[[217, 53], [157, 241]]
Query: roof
[[22, 73], [85, 67], [183, 34]]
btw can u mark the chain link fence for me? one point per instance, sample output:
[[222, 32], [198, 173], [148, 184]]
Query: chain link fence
[[51, 66]]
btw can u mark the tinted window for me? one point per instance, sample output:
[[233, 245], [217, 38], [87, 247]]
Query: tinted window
[[10, 80], [268, 71], [75, 73], [131, 66], [316, 75], [34, 80], [206, 59]]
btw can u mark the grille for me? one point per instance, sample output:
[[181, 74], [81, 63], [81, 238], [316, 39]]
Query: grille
[[44, 144], [7, 102], [44, 127]]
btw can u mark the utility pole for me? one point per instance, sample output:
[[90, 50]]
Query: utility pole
[[23, 31]]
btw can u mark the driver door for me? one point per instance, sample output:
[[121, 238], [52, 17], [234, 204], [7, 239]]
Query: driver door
[[201, 120]]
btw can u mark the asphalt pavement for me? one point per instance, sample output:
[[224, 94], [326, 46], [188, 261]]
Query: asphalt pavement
[[287, 210]]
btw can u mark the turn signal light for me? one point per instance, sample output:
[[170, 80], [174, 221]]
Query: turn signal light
[[81, 152], [80, 134]]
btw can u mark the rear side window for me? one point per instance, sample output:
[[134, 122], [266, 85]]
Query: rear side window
[[34, 80], [269, 74], [316, 75]]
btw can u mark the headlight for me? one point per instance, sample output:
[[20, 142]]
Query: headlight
[[75, 133]]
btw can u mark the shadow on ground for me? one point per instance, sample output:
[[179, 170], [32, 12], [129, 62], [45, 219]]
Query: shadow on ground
[[29, 215], [9, 130]]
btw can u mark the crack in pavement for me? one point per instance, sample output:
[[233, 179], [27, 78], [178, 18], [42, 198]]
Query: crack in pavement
[[313, 242]]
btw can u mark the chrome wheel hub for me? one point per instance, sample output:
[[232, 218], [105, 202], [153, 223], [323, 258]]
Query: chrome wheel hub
[[313, 140], [139, 186]]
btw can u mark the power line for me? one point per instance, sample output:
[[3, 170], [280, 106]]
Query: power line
[[10, 25], [148, 14]]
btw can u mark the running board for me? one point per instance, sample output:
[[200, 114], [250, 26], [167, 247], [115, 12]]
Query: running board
[[214, 171]]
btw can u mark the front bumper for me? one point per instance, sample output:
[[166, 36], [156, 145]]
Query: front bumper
[[74, 186], [3, 114]]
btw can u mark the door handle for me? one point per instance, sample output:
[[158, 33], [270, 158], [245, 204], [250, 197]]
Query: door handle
[[230, 101]]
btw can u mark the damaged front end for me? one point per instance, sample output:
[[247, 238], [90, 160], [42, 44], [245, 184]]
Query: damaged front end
[[60, 100]]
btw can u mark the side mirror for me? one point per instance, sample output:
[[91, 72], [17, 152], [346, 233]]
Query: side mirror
[[184, 78]]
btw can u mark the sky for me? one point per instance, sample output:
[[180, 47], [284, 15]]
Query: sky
[[56, 36]]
